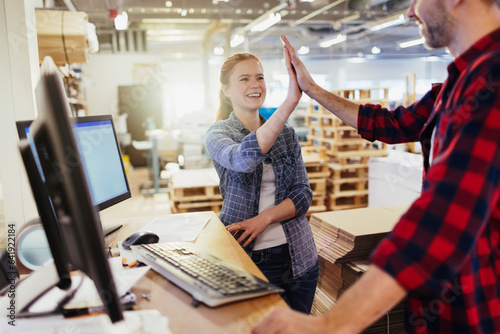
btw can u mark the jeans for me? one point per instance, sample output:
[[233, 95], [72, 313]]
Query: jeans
[[276, 264]]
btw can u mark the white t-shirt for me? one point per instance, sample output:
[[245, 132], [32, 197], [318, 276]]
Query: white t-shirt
[[273, 235]]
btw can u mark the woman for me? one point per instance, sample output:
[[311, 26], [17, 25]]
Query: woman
[[263, 179]]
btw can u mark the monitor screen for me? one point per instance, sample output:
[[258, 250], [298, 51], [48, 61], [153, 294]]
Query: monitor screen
[[103, 165], [68, 188]]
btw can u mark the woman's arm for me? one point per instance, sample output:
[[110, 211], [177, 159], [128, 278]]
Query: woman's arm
[[252, 227], [269, 131]]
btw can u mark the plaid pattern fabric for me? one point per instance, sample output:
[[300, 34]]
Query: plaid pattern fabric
[[236, 155], [445, 250]]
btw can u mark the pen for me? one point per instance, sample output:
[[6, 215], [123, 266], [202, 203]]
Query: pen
[[75, 312]]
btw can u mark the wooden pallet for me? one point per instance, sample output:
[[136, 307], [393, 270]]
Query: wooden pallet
[[311, 154], [368, 94], [334, 147], [346, 185], [317, 170], [318, 186], [323, 119], [197, 206], [334, 132], [338, 171], [195, 193], [348, 200]]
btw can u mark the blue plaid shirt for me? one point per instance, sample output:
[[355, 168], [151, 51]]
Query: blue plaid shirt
[[236, 155]]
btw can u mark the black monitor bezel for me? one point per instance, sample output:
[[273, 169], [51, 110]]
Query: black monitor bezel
[[68, 187], [47, 215]]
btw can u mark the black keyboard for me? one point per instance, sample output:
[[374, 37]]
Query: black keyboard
[[207, 278]]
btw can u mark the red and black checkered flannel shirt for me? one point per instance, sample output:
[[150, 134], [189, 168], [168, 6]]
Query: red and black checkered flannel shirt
[[445, 250]]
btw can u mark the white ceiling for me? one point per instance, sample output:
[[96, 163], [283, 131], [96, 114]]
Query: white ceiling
[[191, 27]]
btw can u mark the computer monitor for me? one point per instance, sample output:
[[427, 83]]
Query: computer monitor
[[47, 215], [103, 165], [102, 162], [67, 185]]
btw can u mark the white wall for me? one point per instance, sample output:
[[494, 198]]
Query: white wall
[[19, 73]]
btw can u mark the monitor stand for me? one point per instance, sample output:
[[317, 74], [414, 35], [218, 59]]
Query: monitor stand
[[108, 228]]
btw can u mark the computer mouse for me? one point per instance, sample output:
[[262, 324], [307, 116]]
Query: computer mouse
[[139, 238]]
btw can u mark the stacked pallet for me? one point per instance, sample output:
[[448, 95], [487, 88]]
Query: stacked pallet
[[347, 153], [193, 190], [344, 240], [317, 171]]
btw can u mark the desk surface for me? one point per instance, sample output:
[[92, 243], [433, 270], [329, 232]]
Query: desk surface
[[174, 303]]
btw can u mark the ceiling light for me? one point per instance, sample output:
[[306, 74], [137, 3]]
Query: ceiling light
[[376, 50], [412, 42], [121, 21], [332, 41], [168, 3], [303, 50], [400, 20], [271, 20], [184, 12], [237, 40], [218, 51]]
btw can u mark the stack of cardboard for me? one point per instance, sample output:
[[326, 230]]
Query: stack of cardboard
[[344, 240], [62, 35]]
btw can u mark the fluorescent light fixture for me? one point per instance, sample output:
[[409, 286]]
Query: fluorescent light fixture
[[237, 40], [336, 40], [168, 3], [271, 20], [376, 50], [121, 21], [303, 50], [357, 60], [412, 42], [218, 51], [400, 20]]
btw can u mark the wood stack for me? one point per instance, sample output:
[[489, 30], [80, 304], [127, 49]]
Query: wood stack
[[344, 240], [193, 190], [317, 171], [347, 153]]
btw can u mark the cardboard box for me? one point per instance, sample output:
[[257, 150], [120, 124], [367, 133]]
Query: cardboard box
[[62, 35]]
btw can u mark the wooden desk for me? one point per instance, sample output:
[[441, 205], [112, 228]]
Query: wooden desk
[[174, 303]]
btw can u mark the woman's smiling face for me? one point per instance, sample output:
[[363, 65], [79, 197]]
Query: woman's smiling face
[[247, 87]]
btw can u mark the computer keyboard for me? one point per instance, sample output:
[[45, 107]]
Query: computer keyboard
[[208, 279]]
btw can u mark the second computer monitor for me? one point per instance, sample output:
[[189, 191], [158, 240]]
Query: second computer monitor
[[103, 165]]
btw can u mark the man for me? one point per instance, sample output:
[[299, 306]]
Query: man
[[443, 256]]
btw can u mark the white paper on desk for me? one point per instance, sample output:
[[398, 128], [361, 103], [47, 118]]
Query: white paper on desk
[[174, 228], [87, 293], [140, 321], [177, 227]]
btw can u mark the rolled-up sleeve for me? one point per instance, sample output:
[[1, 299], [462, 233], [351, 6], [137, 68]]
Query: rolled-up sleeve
[[396, 126], [238, 156]]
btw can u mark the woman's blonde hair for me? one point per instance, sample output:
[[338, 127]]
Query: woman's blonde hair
[[226, 107]]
